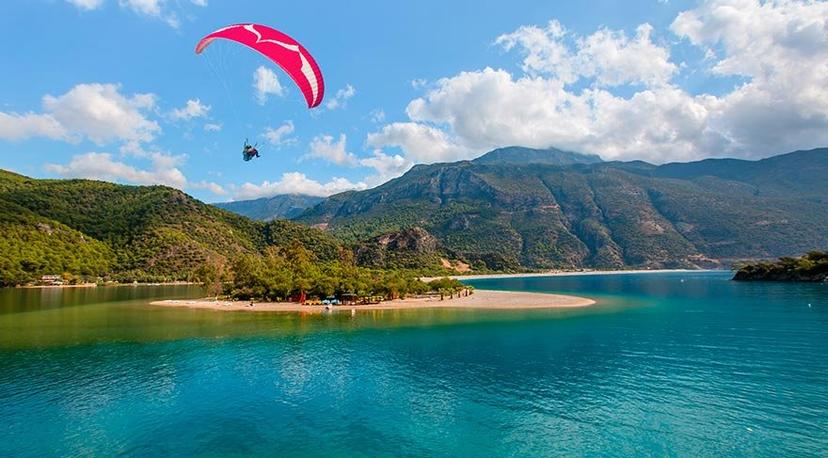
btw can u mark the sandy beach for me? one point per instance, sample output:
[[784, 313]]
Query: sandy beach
[[480, 299]]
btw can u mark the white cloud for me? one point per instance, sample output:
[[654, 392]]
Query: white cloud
[[101, 113], [147, 7], [101, 166], [544, 48], [280, 136], [340, 99], [98, 112], [386, 166], [780, 48], [377, 115], [266, 83], [163, 169], [420, 143], [324, 147], [607, 56], [212, 127], [213, 187], [15, 126], [296, 183], [191, 110], [87, 5], [419, 83], [151, 8]]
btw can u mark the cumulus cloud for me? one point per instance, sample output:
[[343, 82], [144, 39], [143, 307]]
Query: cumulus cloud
[[191, 110], [15, 126], [266, 83], [324, 147], [420, 142], [280, 136], [780, 49], [162, 168], [297, 183], [99, 112], [607, 56], [387, 166], [340, 99], [101, 166]]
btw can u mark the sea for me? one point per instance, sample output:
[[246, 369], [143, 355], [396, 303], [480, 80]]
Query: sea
[[665, 364]]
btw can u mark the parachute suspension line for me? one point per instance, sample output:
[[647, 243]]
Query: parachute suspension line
[[217, 63]]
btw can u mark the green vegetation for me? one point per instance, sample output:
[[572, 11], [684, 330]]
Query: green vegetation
[[512, 210], [103, 231], [33, 246], [510, 213], [296, 273], [94, 231], [813, 267]]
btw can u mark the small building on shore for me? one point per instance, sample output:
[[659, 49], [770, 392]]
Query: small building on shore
[[51, 280]]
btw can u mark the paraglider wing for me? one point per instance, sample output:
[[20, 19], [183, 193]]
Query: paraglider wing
[[283, 50]]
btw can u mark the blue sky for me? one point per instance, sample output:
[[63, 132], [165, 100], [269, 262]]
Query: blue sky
[[111, 89]]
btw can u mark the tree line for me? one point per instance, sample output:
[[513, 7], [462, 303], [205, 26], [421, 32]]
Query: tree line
[[295, 273]]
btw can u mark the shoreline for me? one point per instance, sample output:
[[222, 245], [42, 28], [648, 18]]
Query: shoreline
[[557, 273], [479, 300], [104, 285]]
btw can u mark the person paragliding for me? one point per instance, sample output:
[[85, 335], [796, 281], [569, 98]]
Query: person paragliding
[[283, 51], [280, 49], [250, 151]]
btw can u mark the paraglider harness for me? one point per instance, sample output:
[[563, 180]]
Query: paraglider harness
[[249, 151]]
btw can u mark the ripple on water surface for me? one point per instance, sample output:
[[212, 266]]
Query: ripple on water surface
[[666, 364]]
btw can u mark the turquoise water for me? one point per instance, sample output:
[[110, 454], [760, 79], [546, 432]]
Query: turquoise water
[[681, 364]]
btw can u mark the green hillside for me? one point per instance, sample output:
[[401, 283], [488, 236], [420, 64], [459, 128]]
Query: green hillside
[[32, 246], [508, 214], [813, 267], [126, 233]]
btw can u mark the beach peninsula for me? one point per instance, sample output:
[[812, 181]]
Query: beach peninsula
[[480, 299]]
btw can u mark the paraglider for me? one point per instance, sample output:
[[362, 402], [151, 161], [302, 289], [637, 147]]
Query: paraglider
[[282, 50], [249, 152]]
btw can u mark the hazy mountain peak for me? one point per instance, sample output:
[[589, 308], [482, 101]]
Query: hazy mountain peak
[[282, 206]]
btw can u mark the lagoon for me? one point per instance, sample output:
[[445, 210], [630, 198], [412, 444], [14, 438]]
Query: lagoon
[[682, 364]]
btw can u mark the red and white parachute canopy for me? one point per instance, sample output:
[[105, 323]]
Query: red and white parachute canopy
[[294, 59]]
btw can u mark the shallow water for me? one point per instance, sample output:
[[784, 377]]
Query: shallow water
[[682, 364]]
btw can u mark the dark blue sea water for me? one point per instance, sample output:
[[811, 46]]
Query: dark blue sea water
[[675, 364]]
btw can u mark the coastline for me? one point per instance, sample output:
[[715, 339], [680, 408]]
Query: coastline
[[104, 285], [558, 273], [479, 300]]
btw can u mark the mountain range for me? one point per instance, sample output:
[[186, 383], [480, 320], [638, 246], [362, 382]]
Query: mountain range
[[510, 210], [282, 206]]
